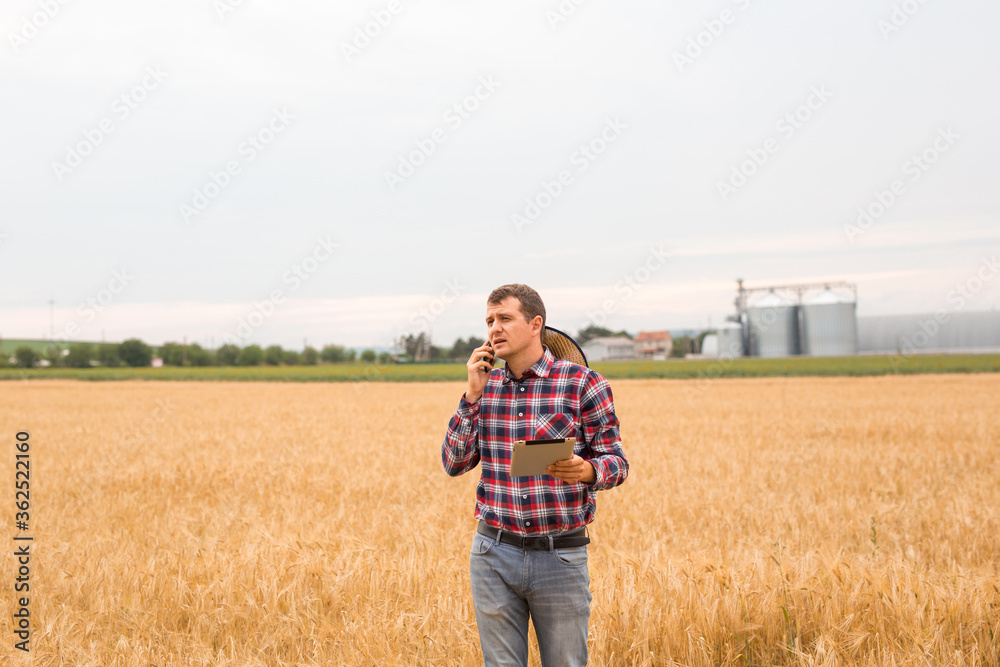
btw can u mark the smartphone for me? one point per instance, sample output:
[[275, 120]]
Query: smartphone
[[492, 358]]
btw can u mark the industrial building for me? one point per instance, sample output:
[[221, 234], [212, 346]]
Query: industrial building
[[821, 320], [941, 332]]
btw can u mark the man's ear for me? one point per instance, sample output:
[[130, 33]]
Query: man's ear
[[536, 325]]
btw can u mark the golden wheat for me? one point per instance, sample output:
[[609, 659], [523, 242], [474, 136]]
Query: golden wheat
[[768, 521]]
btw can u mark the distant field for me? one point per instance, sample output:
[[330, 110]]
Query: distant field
[[806, 522], [688, 369]]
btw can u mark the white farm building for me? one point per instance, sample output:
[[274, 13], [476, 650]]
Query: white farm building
[[609, 349]]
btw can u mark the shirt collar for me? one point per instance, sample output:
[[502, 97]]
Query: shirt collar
[[540, 368]]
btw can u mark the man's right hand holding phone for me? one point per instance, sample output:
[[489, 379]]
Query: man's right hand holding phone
[[479, 367]]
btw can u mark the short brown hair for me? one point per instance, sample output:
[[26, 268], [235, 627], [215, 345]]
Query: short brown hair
[[531, 303]]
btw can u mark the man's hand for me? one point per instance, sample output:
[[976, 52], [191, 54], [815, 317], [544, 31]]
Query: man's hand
[[573, 470], [479, 371]]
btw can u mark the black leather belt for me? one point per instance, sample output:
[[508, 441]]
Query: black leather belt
[[576, 538]]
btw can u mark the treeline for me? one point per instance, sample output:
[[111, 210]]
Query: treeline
[[419, 348], [134, 352]]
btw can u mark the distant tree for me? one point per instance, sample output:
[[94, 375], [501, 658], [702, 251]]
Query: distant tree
[[27, 357], [592, 331], [310, 357], [350, 354], [385, 358], [291, 358], [681, 346], [274, 355], [55, 354], [80, 355], [172, 354], [228, 355], [333, 354], [199, 356], [462, 349], [107, 355], [135, 353], [417, 348], [368, 356], [251, 355]]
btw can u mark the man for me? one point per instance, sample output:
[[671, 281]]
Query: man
[[529, 554]]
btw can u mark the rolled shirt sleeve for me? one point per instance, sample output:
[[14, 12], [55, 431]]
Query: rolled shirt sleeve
[[601, 430], [460, 449]]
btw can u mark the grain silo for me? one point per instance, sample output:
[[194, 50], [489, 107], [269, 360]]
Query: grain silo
[[829, 325], [774, 327], [730, 343], [710, 345]]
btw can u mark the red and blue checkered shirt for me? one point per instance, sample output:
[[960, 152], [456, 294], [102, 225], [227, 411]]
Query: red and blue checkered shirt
[[553, 399]]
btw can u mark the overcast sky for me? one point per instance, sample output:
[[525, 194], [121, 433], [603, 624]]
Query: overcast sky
[[271, 172]]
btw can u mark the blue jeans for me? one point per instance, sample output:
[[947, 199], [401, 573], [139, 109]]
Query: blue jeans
[[509, 584]]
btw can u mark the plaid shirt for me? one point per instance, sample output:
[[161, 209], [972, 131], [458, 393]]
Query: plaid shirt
[[553, 399]]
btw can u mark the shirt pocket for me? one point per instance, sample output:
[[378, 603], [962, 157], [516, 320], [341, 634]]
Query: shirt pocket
[[555, 425]]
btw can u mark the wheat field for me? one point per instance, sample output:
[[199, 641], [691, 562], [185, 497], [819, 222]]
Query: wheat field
[[800, 521]]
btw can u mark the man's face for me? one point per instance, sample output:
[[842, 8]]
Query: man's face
[[509, 332]]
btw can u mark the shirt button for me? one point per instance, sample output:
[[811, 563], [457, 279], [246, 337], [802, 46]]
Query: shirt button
[[522, 388], [520, 414], [525, 496], [527, 523]]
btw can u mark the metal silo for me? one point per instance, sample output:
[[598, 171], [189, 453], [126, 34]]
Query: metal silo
[[730, 336], [710, 345], [829, 325], [774, 327]]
